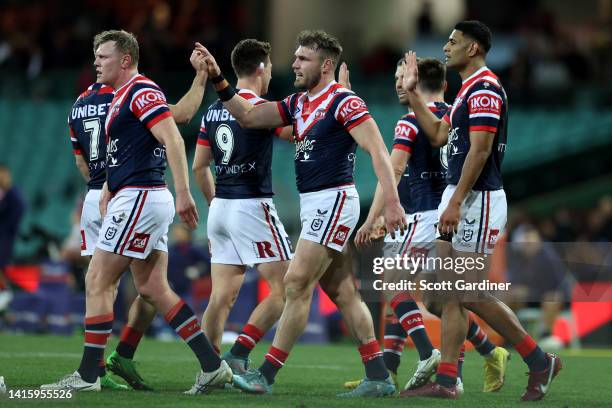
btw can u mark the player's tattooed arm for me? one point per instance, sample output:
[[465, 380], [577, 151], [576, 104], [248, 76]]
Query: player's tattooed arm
[[186, 108], [435, 129], [367, 135], [201, 170], [481, 144], [82, 166], [166, 132], [399, 160], [262, 116]]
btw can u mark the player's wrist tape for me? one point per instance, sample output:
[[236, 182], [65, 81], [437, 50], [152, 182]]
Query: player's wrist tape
[[226, 93], [217, 79]]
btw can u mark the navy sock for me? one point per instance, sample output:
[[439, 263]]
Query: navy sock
[[395, 339], [409, 315]]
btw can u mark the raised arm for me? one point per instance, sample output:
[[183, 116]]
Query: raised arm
[[435, 129], [367, 135], [186, 108], [262, 116], [166, 132]]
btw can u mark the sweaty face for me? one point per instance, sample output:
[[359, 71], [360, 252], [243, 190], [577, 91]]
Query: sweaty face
[[399, 76], [107, 63], [456, 50], [307, 68]]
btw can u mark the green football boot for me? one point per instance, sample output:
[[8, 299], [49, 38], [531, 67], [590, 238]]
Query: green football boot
[[126, 369], [107, 383]]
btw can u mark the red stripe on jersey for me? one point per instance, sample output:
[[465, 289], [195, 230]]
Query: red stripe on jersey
[[491, 129], [359, 121], [280, 252], [203, 142], [446, 118], [77, 152], [127, 238], [161, 117], [337, 217], [71, 131], [105, 90], [402, 147]]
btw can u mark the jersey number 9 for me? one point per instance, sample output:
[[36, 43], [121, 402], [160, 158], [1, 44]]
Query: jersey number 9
[[225, 140]]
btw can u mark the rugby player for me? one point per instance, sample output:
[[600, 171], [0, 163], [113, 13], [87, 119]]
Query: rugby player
[[328, 122], [472, 211]]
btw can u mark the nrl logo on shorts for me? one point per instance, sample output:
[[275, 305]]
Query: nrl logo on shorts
[[467, 235], [316, 224], [110, 233]]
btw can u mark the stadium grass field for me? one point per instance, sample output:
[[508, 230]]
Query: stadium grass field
[[311, 378]]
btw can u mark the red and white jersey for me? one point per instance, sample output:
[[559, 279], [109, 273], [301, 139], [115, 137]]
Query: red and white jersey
[[324, 149], [134, 157]]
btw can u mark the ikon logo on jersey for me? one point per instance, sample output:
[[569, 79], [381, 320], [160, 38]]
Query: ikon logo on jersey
[[341, 235], [146, 100], [139, 242], [351, 107], [264, 249], [404, 131], [485, 102]]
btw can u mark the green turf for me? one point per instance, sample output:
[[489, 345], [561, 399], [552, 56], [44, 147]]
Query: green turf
[[311, 378]]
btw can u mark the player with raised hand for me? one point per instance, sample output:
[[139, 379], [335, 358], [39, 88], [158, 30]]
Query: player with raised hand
[[328, 121], [88, 138], [420, 170], [472, 211], [137, 209]]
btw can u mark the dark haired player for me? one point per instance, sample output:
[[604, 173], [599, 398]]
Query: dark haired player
[[243, 226], [328, 122], [472, 212]]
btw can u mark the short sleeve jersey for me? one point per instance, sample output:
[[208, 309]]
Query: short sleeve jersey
[[87, 132], [423, 182], [324, 149], [481, 105], [243, 157], [134, 157]]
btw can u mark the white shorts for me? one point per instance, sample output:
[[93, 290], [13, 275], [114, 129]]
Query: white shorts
[[418, 239], [246, 232], [91, 221], [137, 222], [329, 216], [483, 219]]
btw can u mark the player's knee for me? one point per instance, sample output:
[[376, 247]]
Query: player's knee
[[295, 287], [151, 291], [224, 298]]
